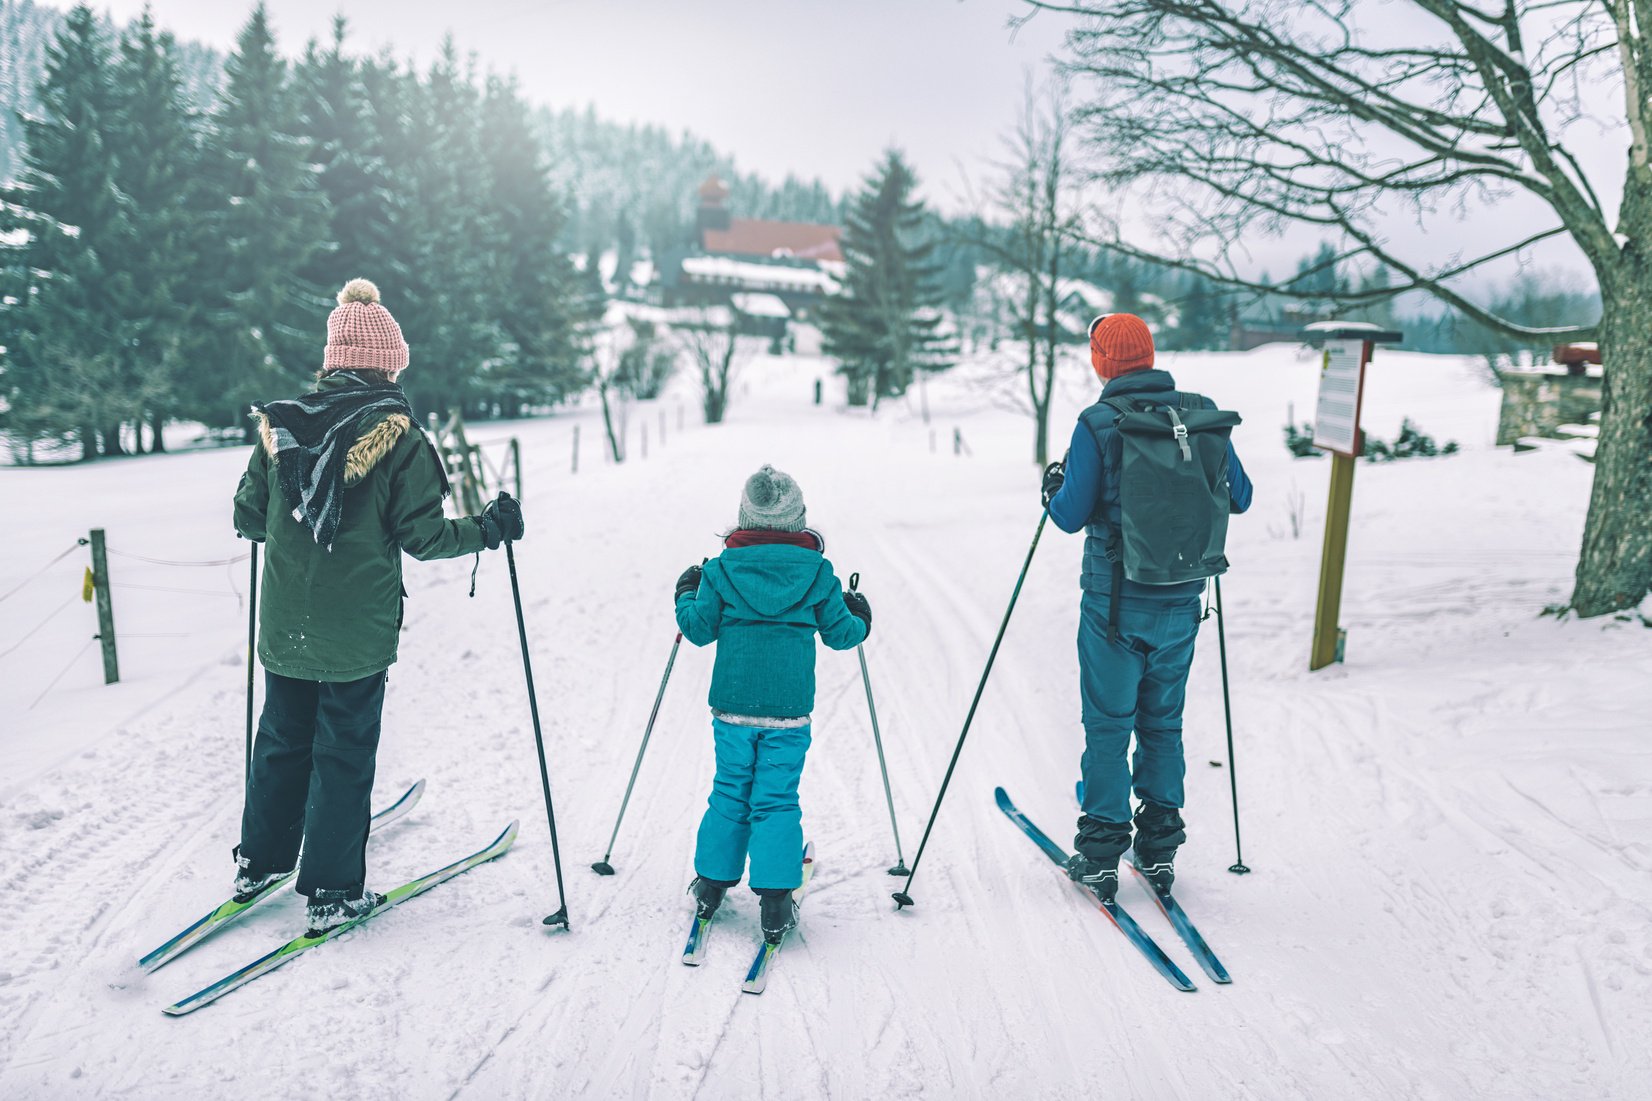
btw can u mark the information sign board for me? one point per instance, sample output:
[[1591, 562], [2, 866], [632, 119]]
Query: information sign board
[[1341, 384]]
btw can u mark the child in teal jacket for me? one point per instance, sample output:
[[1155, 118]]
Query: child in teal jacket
[[762, 601]]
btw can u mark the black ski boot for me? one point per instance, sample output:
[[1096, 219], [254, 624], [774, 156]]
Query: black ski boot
[[1159, 833], [330, 909], [1096, 863], [248, 883], [779, 914], [708, 895], [1101, 878]]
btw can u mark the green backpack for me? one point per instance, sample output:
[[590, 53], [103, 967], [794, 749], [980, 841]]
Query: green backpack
[[1173, 490]]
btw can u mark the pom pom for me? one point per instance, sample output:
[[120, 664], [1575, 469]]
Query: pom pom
[[358, 290]]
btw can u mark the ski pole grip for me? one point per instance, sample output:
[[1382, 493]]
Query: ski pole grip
[[854, 581]]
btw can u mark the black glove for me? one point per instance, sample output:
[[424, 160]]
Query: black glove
[[689, 582], [501, 521], [1054, 475], [859, 607]]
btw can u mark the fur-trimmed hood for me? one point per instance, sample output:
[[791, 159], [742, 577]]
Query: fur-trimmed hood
[[364, 454]]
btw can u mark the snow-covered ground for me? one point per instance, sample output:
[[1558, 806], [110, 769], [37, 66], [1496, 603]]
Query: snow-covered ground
[[1451, 833]]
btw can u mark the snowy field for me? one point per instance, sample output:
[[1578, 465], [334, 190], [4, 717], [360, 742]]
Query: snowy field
[[1451, 834]]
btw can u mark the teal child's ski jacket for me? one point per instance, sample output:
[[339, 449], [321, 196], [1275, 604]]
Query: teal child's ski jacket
[[763, 607]]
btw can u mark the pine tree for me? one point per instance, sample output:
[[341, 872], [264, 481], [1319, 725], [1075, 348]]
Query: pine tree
[[452, 281], [156, 153], [265, 222], [884, 326], [1202, 323], [543, 359], [61, 377], [350, 165]]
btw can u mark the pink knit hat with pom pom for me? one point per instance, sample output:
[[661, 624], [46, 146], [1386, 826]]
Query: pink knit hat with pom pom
[[361, 333]]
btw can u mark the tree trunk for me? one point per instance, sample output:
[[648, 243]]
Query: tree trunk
[[157, 441], [1614, 570], [88, 444], [859, 387], [1041, 434]]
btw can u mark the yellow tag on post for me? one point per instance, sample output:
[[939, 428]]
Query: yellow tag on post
[[88, 586]]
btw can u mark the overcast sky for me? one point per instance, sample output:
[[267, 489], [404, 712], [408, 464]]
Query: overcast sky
[[813, 87]]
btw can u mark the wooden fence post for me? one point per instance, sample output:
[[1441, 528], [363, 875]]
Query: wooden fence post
[[516, 464], [576, 449], [106, 611]]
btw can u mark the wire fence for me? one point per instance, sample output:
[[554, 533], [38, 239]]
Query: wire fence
[[84, 591]]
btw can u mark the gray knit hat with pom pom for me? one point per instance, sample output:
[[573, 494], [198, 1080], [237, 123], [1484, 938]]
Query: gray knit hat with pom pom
[[361, 333], [771, 501]]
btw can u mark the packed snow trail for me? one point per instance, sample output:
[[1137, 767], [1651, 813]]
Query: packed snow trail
[[1451, 848]]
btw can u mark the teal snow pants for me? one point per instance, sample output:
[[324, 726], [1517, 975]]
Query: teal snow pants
[[753, 807]]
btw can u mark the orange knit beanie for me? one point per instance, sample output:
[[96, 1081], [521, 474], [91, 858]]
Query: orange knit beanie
[[1120, 343]]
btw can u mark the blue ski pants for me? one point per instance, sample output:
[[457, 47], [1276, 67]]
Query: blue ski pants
[[1136, 684], [753, 807]]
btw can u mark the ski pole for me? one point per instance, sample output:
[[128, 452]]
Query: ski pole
[[252, 651], [903, 897], [602, 867], [1238, 866], [877, 739], [561, 915]]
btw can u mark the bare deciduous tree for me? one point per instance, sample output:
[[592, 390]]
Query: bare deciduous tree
[[710, 336], [1343, 115]]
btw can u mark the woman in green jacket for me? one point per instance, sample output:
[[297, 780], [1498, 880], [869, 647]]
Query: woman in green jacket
[[762, 601], [341, 482]]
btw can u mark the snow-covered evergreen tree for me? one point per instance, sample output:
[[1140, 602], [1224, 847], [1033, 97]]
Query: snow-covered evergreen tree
[[885, 325], [156, 152], [544, 358], [265, 221], [64, 217]]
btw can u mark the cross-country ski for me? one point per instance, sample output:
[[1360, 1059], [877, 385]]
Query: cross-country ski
[[757, 975], [301, 944], [235, 908]]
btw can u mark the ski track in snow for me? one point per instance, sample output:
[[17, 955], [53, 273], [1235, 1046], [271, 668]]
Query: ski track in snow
[[1449, 833]]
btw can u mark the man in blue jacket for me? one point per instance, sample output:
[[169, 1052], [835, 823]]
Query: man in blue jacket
[[1134, 679], [762, 601]]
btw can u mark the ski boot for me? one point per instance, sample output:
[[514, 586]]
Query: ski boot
[[1099, 877], [249, 884], [779, 914], [1159, 833], [330, 909], [708, 895], [1159, 872]]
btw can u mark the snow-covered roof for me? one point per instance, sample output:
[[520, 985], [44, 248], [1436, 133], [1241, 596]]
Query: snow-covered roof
[[761, 305], [772, 277]]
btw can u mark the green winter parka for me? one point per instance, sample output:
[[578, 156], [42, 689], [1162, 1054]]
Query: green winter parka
[[334, 615]]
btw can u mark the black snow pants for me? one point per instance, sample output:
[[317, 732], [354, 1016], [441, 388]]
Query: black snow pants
[[312, 781]]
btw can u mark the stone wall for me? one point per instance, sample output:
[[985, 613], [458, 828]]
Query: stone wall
[[1538, 402]]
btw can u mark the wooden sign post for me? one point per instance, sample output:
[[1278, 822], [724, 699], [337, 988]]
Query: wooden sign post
[[1348, 348]]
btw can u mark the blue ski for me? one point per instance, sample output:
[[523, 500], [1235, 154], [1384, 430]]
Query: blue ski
[[696, 946], [1115, 913], [232, 910], [1178, 919], [757, 977], [303, 943]]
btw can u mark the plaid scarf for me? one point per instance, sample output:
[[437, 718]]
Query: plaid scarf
[[313, 435]]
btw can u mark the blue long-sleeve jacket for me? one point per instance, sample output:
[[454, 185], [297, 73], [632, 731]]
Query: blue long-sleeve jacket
[[1091, 489], [763, 606]]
